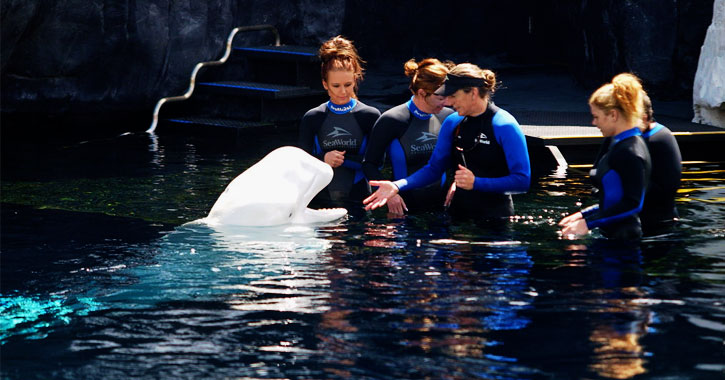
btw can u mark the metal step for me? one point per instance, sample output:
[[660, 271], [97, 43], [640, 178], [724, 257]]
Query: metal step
[[215, 122], [264, 90], [284, 52]]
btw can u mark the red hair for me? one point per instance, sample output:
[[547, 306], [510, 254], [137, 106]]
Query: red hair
[[339, 53]]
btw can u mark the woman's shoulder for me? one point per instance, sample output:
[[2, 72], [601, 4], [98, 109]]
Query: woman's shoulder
[[454, 118], [625, 150], [503, 117], [321, 109], [445, 112], [363, 108], [397, 113], [658, 133]]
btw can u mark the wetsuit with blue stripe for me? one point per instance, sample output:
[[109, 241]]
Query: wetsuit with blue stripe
[[408, 136], [345, 128], [659, 213], [493, 147], [621, 177]]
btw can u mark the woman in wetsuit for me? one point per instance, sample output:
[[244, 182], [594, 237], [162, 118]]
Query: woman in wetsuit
[[336, 131], [659, 214], [480, 142], [622, 173], [408, 134]]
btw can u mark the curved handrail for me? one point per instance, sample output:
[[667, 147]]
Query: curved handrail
[[200, 65]]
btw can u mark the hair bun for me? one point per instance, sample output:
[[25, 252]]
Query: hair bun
[[411, 68], [337, 47]]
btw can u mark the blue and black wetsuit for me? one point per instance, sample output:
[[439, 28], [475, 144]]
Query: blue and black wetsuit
[[492, 146], [659, 213], [340, 127], [408, 136], [621, 176]]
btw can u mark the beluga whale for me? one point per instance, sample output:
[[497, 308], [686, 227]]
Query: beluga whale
[[275, 191]]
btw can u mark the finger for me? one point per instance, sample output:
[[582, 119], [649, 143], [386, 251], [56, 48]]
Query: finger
[[369, 199], [403, 205], [447, 202], [372, 204], [380, 203]]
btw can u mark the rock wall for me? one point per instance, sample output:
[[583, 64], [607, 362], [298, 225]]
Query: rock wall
[[82, 56], [105, 56], [656, 39], [708, 95]]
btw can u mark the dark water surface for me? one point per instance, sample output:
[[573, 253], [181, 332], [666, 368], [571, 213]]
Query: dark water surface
[[102, 277]]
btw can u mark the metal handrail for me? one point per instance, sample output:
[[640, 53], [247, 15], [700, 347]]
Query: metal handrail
[[200, 65]]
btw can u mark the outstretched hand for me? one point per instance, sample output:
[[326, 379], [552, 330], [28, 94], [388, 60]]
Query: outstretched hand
[[385, 191]]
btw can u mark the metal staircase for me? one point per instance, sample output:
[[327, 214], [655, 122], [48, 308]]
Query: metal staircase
[[256, 87]]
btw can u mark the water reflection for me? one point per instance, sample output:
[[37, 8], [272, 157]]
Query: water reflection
[[415, 300], [278, 265], [371, 297]]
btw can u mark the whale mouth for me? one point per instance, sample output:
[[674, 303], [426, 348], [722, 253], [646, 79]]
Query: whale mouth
[[305, 214], [322, 215]]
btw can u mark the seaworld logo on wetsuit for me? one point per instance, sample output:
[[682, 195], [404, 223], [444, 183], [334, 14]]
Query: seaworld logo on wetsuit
[[482, 139], [337, 132], [427, 142], [337, 141], [427, 136]]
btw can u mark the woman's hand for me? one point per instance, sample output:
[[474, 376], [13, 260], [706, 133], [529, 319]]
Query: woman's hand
[[577, 227], [574, 224], [571, 218], [385, 191], [396, 205], [464, 178], [449, 195], [335, 158]]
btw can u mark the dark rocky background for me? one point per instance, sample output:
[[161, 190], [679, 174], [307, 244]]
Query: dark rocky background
[[83, 62]]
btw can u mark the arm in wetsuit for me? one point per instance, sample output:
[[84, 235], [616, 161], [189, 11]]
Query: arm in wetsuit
[[623, 188], [309, 126], [513, 142], [666, 162], [385, 132], [366, 117], [439, 161]]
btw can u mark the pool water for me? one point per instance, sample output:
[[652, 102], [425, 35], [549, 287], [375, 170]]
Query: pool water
[[106, 274]]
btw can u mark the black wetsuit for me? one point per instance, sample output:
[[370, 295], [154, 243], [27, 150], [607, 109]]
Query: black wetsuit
[[493, 148], [408, 136], [345, 128], [621, 176], [659, 213]]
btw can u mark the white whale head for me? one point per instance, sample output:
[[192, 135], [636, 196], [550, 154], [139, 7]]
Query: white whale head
[[275, 191]]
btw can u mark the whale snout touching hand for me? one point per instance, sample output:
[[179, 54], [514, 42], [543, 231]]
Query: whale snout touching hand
[[275, 191]]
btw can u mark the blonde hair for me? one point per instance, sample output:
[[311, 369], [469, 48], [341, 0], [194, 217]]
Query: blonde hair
[[339, 53], [624, 94], [428, 74], [470, 70]]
